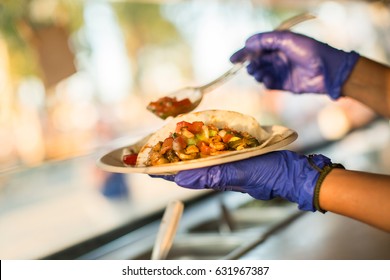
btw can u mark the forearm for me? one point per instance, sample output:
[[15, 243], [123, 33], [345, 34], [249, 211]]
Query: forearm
[[361, 196], [369, 83]]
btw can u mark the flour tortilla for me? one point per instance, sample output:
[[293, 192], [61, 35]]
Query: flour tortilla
[[219, 118]]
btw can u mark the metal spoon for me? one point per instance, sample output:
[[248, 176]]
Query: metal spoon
[[187, 99]]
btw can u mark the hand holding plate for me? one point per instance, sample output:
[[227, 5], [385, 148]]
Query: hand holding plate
[[284, 174]]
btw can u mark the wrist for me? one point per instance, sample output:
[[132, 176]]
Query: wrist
[[339, 78], [369, 84], [322, 166], [324, 173]]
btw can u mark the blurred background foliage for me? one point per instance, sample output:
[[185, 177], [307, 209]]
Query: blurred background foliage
[[19, 18]]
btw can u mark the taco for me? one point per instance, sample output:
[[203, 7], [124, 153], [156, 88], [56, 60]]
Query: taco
[[201, 134]]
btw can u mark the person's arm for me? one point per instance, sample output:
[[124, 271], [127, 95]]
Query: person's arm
[[369, 83], [358, 195]]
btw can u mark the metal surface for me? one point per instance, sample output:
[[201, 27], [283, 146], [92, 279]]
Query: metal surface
[[263, 230], [316, 236]]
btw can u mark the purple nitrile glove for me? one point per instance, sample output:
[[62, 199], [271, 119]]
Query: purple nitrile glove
[[293, 62], [282, 174]]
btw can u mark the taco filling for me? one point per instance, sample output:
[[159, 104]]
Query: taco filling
[[192, 140]]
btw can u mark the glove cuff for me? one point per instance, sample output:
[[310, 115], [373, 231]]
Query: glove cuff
[[342, 74], [309, 168]]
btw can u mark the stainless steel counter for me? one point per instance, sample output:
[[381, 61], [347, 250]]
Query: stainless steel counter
[[270, 230], [315, 236]]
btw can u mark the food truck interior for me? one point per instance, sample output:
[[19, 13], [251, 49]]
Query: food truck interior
[[75, 79]]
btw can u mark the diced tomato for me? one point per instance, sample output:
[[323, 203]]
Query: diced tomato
[[195, 127], [180, 125], [227, 137], [204, 148], [167, 145], [179, 143], [130, 159]]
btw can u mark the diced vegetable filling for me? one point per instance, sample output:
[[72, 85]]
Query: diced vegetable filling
[[197, 140]]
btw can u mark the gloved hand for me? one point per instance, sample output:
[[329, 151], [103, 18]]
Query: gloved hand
[[282, 174], [288, 61]]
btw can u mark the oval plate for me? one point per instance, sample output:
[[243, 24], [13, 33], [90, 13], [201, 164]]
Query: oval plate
[[279, 137]]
